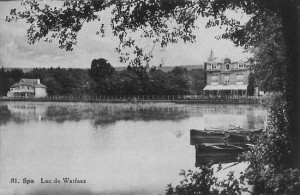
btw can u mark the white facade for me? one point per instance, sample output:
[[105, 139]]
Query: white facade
[[27, 88], [40, 92]]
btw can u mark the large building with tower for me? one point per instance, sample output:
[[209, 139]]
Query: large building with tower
[[226, 77]]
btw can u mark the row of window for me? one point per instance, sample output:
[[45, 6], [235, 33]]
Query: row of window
[[239, 78], [227, 66], [20, 87]]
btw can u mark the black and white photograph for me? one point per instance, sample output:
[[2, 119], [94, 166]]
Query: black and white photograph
[[149, 97]]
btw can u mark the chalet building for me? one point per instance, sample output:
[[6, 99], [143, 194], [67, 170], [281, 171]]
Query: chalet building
[[27, 88], [225, 77]]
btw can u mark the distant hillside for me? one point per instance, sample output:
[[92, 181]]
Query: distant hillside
[[23, 69], [169, 68], [163, 68], [188, 67]]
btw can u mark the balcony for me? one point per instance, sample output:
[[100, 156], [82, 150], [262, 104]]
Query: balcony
[[22, 91], [226, 70]]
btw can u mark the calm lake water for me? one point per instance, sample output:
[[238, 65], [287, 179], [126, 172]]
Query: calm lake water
[[116, 148]]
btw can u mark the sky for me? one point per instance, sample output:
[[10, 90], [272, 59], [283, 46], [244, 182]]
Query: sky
[[15, 52]]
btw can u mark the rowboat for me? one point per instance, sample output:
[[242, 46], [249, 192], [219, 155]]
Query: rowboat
[[220, 145], [230, 136]]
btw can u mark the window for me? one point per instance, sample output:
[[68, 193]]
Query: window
[[226, 79], [219, 65], [240, 77], [241, 65], [214, 66], [227, 66], [208, 66], [236, 65], [214, 78]]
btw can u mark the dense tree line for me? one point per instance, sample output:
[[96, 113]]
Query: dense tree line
[[8, 78], [59, 81], [102, 79], [154, 82]]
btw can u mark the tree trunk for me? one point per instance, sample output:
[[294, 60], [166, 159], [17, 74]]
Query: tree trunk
[[291, 29]]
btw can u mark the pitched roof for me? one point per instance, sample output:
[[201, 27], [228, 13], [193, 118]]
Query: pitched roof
[[16, 85], [32, 82], [40, 86]]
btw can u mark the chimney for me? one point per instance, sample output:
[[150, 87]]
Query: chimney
[[38, 81]]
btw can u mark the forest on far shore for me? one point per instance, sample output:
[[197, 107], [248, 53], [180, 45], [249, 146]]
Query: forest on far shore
[[103, 79]]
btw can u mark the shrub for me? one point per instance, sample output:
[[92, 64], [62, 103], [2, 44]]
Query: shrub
[[193, 182], [203, 182], [270, 158]]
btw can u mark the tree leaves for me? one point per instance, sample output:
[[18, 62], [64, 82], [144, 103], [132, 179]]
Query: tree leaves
[[149, 18]]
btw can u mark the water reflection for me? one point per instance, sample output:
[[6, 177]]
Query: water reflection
[[117, 148], [5, 114], [104, 115], [20, 113]]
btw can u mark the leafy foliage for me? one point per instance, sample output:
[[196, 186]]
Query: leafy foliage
[[156, 22], [269, 56], [270, 158], [274, 144], [204, 182], [193, 182], [101, 70]]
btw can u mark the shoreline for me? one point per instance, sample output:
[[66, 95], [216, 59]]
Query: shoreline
[[176, 101]]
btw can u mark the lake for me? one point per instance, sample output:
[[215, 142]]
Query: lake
[[119, 148]]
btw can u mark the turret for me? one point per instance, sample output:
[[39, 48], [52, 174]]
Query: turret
[[211, 56]]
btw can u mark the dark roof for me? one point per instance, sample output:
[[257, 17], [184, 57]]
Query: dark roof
[[32, 82]]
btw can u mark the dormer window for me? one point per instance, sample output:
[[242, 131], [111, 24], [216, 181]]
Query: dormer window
[[236, 65], [214, 66], [219, 65], [227, 66], [241, 65], [208, 66]]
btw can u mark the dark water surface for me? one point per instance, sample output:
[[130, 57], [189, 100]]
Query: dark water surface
[[116, 148]]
